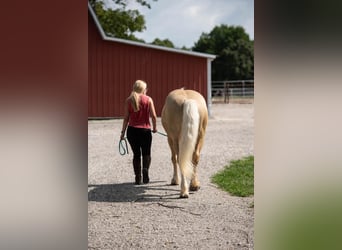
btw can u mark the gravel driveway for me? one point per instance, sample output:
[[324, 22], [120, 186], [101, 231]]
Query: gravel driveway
[[125, 216]]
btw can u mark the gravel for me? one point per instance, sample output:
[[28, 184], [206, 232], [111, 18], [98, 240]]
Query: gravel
[[122, 215]]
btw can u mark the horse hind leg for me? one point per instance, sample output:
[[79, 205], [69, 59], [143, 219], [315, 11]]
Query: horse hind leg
[[175, 178], [184, 187], [173, 147], [194, 183]]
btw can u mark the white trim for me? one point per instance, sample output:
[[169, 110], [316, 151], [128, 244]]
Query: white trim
[[209, 101], [99, 27], [107, 38]]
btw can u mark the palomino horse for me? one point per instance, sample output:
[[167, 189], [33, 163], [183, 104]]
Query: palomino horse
[[185, 118]]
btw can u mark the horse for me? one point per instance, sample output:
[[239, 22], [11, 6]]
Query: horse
[[185, 118]]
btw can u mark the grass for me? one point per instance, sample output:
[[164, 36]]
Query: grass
[[237, 178]]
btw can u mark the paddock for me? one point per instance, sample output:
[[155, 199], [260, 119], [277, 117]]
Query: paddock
[[122, 215]]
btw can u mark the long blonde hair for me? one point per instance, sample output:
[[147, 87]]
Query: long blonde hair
[[138, 88]]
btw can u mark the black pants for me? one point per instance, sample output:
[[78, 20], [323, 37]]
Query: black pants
[[140, 140]]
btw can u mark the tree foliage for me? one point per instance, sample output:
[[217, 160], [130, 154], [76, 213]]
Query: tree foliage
[[165, 42], [234, 50], [120, 22]]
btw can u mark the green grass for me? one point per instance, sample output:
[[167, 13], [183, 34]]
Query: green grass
[[237, 178]]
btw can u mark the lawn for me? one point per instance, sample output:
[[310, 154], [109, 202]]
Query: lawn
[[237, 178]]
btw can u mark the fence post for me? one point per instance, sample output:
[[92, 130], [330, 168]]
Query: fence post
[[226, 91]]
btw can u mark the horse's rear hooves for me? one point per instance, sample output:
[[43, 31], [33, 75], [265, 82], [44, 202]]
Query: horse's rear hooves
[[174, 183], [194, 188], [184, 196]]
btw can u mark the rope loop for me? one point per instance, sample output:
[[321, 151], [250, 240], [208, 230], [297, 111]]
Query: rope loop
[[123, 148]]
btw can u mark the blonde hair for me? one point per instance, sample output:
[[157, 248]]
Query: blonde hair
[[138, 88]]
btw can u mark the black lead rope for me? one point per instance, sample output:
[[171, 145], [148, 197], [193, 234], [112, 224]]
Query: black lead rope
[[123, 148], [161, 133]]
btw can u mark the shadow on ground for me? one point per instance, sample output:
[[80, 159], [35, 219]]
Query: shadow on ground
[[128, 192]]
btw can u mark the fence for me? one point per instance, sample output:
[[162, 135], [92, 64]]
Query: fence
[[241, 91]]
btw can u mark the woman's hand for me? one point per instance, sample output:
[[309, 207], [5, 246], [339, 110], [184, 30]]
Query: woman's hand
[[122, 136]]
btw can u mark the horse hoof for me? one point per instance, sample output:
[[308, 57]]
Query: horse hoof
[[184, 196], [174, 183], [194, 188]]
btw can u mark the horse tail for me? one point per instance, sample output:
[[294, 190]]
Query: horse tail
[[188, 137]]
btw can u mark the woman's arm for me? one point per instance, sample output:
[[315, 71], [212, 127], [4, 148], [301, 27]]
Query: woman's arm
[[125, 120], [153, 116]]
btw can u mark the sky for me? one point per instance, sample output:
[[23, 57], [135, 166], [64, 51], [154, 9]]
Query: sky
[[183, 21]]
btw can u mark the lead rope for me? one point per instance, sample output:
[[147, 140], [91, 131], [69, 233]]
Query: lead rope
[[123, 148], [161, 133]]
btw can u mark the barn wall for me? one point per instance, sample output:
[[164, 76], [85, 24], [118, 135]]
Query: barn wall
[[114, 67]]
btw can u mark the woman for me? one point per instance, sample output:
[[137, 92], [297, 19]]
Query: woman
[[138, 109]]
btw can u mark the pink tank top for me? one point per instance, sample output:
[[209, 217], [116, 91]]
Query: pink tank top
[[141, 118]]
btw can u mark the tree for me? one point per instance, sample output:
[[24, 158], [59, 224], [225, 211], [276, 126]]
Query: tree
[[165, 42], [120, 22], [185, 48], [234, 50]]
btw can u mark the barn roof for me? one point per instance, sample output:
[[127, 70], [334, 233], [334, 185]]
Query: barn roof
[[108, 38]]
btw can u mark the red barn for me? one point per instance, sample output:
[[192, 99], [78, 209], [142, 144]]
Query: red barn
[[115, 64]]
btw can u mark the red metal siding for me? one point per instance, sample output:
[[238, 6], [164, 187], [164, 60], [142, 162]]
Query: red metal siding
[[114, 67]]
